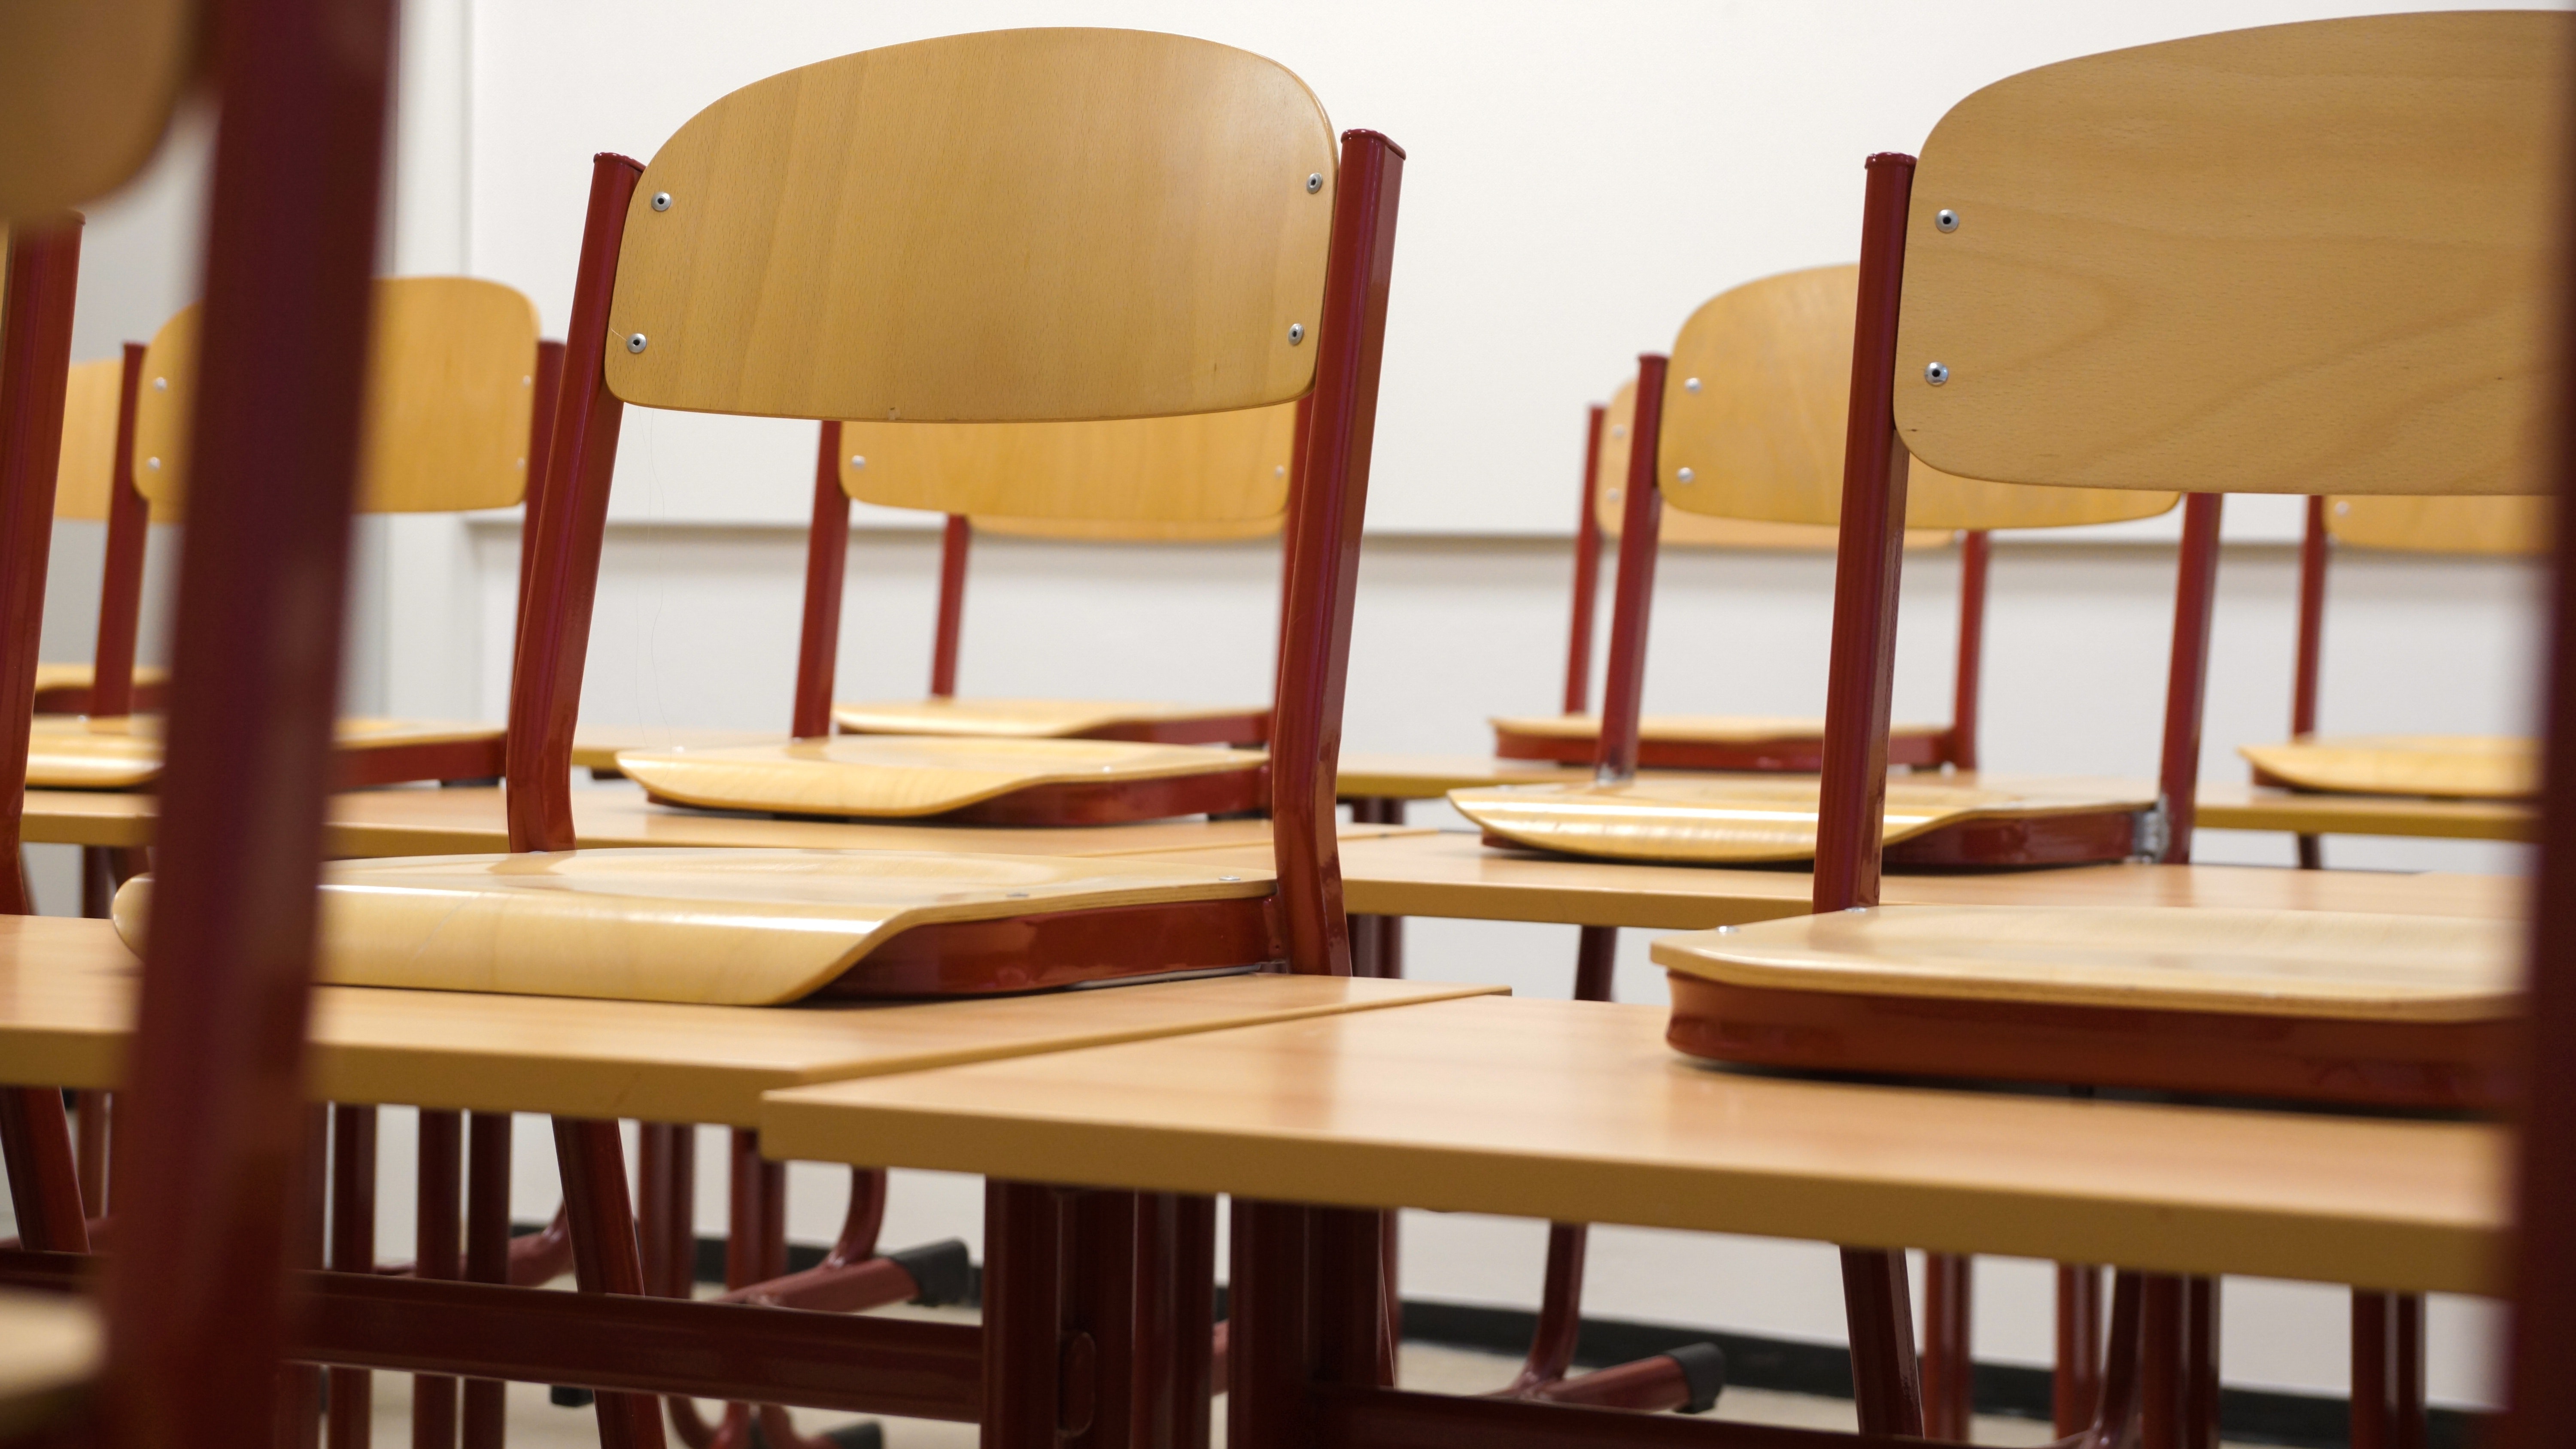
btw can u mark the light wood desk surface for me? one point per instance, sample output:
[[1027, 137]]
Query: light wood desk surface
[[1578, 1112], [1429, 777], [469, 821], [1451, 873], [67, 1003], [50, 1348], [2261, 807]]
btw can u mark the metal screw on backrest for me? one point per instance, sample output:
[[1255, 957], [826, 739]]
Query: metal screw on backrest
[[1946, 219], [858, 460], [1279, 470], [1690, 384], [635, 342], [152, 464], [160, 384], [1296, 333], [1936, 373], [1683, 475], [1314, 182], [661, 201]]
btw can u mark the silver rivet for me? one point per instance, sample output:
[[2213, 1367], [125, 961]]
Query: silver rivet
[[523, 462], [526, 381], [858, 460], [1314, 182], [1690, 384], [1726, 930], [1946, 219], [2342, 508], [1230, 877], [1279, 470], [1936, 373], [1620, 431], [1296, 333], [160, 384], [1614, 495], [635, 342], [1682, 475], [154, 464], [662, 202]]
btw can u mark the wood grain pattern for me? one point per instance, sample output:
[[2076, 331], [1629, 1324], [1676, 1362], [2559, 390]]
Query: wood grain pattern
[[2295, 259], [1753, 819], [67, 1003], [1452, 874], [2301, 812], [2471, 767], [87, 89], [1578, 1112], [469, 821], [906, 775], [715, 927], [2336, 965], [1223, 473], [1028, 719], [1014, 226], [2502, 526], [1762, 433], [123, 752], [50, 1349], [451, 368], [1686, 529]]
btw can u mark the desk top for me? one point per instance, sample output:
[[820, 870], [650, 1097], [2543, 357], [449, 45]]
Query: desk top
[[2261, 807], [49, 1348], [1452, 874], [66, 1012], [469, 821], [1578, 1112]]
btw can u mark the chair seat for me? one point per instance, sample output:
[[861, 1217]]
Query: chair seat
[[2327, 1005], [763, 927], [1705, 742], [1059, 719], [65, 688], [123, 752], [1758, 819], [997, 780], [2469, 767]]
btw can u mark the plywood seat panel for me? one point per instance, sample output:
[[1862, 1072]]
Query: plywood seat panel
[[906, 776], [1756, 819], [123, 752], [1703, 742], [2465, 767], [1058, 719], [2350, 1008], [716, 927]]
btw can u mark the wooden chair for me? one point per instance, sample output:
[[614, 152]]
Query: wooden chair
[[1218, 476], [452, 415], [1042, 292], [1714, 742], [1743, 425], [1021, 762], [2441, 766], [96, 485], [2360, 304]]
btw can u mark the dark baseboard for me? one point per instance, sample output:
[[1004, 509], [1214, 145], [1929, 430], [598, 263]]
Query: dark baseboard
[[2308, 1421]]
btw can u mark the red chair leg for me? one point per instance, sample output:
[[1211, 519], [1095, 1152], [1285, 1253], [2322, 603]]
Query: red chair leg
[[1948, 1385], [2076, 1388], [2200, 1363], [2162, 1412], [1023, 1315], [1886, 1386], [2371, 1426], [299, 1386], [1175, 1320], [353, 1250], [44, 1180], [2406, 1370], [604, 1256], [91, 1111], [438, 1239], [1560, 1311], [482, 1424]]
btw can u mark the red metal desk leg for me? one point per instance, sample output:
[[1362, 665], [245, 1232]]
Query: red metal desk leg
[[1175, 1320], [438, 1235], [353, 1250], [1949, 1390], [1026, 1352], [2076, 1389], [487, 1259]]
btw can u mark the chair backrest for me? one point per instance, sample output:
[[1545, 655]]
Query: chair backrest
[[1685, 529], [1226, 468], [2508, 526], [87, 88], [451, 375], [2310, 258], [1009, 227], [87, 472], [1754, 410]]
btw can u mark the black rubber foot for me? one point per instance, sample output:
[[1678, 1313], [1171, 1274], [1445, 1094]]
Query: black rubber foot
[[569, 1398], [941, 1270], [1704, 1369]]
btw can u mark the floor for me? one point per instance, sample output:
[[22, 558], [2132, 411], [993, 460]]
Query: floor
[[536, 1423]]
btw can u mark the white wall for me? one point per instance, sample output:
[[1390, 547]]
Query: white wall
[[1579, 179]]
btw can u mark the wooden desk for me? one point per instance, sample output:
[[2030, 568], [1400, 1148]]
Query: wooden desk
[[1452, 874], [468, 821], [2260, 807], [50, 1349], [1578, 1112], [67, 1001]]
